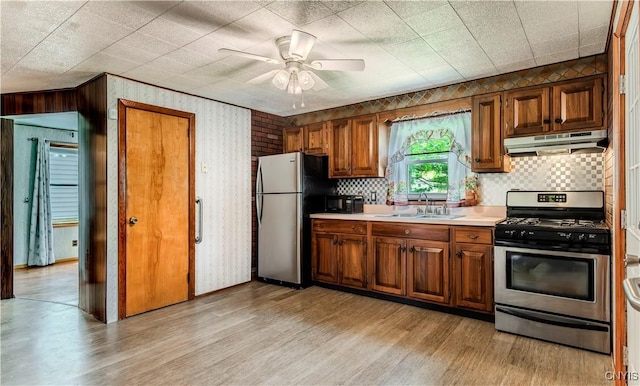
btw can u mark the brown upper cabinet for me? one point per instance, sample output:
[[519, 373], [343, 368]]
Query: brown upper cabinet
[[293, 139], [487, 149], [567, 106], [311, 139], [354, 147]]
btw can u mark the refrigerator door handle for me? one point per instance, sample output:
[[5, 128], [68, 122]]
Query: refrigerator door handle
[[259, 188]]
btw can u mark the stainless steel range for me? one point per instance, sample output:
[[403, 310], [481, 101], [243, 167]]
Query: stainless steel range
[[552, 268]]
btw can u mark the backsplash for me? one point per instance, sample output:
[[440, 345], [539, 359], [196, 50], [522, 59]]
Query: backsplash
[[559, 172]]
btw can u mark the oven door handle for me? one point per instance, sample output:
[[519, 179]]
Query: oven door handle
[[525, 315]]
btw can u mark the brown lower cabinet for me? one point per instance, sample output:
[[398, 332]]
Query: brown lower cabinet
[[451, 266]]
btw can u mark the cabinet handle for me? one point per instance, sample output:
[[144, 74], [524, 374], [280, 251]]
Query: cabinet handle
[[356, 229], [477, 159], [406, 231], [459, 254], [412, 249], [472, 237], [334, 242], [340, 242], [558, 120], [546, 121], [403, 248]]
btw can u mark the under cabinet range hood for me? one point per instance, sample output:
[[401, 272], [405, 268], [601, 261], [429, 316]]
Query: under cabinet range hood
[[561, 143]]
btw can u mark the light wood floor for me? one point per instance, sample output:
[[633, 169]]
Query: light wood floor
[[259, 333], [52, 283]]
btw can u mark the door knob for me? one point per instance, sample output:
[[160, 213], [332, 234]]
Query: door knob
[[133, 220]]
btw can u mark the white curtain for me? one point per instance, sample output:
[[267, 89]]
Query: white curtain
[[456, 126], [41, 229]]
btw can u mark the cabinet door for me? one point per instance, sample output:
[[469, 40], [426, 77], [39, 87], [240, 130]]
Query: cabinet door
[[474, 276], [315, 139], [292, 139], [527, 112], [352, 258], [364, 146], [578, 105], [340, 149], [428, 270], [389, 265], [324, 257], [487, 150]]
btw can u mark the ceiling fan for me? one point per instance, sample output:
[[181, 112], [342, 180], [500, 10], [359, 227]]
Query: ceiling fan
[[296, 76]]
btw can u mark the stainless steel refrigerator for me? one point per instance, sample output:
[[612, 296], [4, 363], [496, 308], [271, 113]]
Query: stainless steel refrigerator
[[289, 187]]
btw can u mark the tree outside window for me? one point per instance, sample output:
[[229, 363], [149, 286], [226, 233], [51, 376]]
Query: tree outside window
[[428, 168]]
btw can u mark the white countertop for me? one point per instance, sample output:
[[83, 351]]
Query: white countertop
[[483, 216]]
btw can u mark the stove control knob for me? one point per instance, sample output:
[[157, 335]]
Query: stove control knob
[[569, 236], [523, 234], [510, 233], [582, 237]]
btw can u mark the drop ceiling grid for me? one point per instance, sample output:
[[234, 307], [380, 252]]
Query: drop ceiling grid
[[407, 45]]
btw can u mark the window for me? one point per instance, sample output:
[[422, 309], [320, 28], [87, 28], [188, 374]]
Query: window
[[428, 168], [63, 184]]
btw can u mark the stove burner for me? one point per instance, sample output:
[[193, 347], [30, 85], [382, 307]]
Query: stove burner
[[577, 223], [522, 221]]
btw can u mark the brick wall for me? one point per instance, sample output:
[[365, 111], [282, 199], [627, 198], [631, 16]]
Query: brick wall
[[266, 139]]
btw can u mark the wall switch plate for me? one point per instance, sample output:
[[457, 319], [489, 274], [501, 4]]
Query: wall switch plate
[[204, 168], [112, 114], [374, 197]]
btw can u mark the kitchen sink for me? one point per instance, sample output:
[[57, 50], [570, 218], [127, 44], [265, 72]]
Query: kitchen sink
[[422, 215]]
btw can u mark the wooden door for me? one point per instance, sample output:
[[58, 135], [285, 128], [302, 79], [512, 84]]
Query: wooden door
[[487, 150], [527, 112], [578, 105], [340, 148], [324, 257], [316, 138], [292, 139], [364, 145], [474, 276], [428, 270], [156, 207], [389, 265], [352, 260]]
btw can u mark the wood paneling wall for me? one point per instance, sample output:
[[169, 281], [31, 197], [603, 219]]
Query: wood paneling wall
[[6, 206], [92, 138], [39, 102]]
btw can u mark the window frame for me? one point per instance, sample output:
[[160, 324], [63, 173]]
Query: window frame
[[60, 223], [443, 158]]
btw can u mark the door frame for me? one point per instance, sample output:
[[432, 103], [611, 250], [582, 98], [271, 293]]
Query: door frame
[[123, 104], [6, 202], [618, 108]]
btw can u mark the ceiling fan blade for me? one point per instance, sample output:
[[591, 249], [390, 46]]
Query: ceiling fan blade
[[263, 77], [248, 55], [301, 44], [319, 83], [338, 64]]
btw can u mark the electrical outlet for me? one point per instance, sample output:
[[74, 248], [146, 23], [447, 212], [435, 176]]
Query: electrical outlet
[[374, 197], [74, 243]]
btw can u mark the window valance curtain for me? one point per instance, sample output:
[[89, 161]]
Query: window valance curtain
[[456, 126]]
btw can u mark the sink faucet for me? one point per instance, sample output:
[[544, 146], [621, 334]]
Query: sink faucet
[[426, 206]]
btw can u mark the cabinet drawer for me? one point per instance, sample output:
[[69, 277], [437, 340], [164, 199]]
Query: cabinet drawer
[[340, 226], [473, 235], [414, 231]]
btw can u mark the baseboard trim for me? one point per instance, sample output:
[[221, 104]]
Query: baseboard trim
[[59, 261]]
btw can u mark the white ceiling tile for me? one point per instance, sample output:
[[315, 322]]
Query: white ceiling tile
[[148, 43], [408, 9], [416, 54], [540, 32], [487, 17], [17, 42], [156, 7], [101, 62], [517, 66], [442, 75], [536, 12], [557, 57], [470, 72], [168, 31], [135, 54], [435, 20], [55, 56], [189, 57], [453, 37], [300, 13], [167, 64], [43, 16], [206, 46], [265, 24], [89, 31], [593, 36], [337, 6], [505, 54], [207, 16], [335, 31], [559, 44], [378, 22], [592, 49], [235, 37], [124, 13], [594, 13], [148, 74]]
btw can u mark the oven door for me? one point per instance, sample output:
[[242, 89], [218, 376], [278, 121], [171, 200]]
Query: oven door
[[565, 283]]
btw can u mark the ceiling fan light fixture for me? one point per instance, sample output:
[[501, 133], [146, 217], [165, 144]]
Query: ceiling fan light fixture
[[281, 79], [294, 86], [306, 81]]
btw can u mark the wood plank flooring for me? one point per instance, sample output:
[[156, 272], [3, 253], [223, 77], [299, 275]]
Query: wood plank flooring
[[259, 333], [53, 283]]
